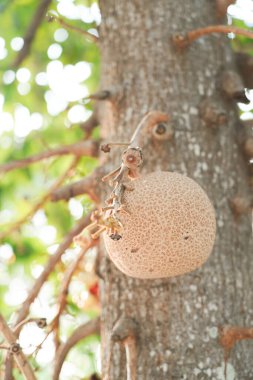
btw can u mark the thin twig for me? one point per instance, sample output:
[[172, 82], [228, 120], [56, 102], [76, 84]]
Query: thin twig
[[62, 298], [76, 29], [112, 94], [183, 41], [151, 119], [22, 314], [83, 148], [35, 352], [50, 267], [41, 202], [36, 20], [100, 95], [89, 328], [87, 185], [9, 363], [20, 358], [4, 347], [41, 323]]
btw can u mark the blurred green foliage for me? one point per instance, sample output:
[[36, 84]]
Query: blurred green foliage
[[28, 248]]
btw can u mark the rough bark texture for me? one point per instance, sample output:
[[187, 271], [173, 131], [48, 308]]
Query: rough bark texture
[[178, 318]]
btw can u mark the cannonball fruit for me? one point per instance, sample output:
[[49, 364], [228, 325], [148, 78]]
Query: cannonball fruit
[[168, 230]]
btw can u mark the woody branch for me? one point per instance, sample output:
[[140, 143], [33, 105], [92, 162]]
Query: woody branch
[[16, 350], [83, 148], [183, 40], [62, 298]]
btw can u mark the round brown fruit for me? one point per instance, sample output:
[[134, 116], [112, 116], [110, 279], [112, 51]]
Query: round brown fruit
[[170, 228]]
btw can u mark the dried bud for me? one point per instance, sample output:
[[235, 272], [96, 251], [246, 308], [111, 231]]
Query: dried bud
[[132, 158], [15, 348], [105, 148], [41, 323], [95, 215], [162, 131], [180, 41]]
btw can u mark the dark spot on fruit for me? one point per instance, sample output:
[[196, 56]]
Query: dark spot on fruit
[[115, 237], [134, 250], [186, 235]]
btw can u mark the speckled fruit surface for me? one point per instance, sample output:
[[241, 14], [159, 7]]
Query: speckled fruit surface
[[170, 229]]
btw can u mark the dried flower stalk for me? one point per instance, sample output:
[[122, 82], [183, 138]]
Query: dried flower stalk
[[108, 218]]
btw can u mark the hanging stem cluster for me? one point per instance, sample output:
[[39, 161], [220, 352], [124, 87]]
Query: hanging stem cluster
[[108, 217]]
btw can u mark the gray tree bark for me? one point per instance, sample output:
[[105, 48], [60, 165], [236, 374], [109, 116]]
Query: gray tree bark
[[178, 318]]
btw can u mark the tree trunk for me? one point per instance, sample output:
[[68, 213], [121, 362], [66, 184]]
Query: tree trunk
[[178, 318]]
